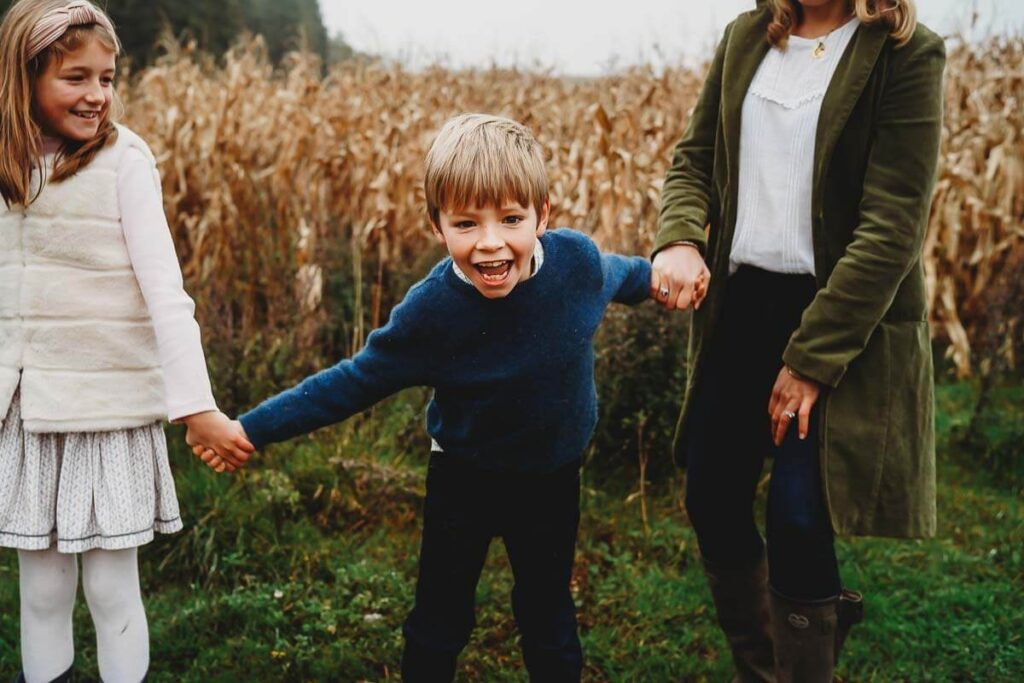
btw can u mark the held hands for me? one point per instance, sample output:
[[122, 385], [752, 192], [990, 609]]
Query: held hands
[[679, 277], [218, 440], [792, 397]]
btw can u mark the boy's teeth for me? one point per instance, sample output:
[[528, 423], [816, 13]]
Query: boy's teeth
[[494, 270]]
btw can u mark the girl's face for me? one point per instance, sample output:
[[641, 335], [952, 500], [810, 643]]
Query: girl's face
[[72, 96]]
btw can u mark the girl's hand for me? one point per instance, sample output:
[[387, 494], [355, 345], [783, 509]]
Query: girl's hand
[[793, 396], [683, 277], [213, 430]]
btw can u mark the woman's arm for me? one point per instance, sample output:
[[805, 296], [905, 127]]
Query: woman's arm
[[886, 243], [686, 197], [686, 194]]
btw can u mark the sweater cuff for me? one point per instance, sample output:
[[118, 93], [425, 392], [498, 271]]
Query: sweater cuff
[[252, 430]]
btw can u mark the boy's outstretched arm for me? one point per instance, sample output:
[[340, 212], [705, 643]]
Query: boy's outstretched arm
[[627, 279], [395, 357]]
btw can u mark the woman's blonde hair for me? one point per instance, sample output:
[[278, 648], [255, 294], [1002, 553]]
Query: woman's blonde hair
[[900, 16], [20, 135], [483, 160]]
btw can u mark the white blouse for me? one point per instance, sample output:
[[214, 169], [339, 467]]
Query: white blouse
[[777, 133]]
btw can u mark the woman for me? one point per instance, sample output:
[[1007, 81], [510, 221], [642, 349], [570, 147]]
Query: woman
[[811, 156]]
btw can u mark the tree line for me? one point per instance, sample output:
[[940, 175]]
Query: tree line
[[284, 24]]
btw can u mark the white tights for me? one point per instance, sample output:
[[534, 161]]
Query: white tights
[[48, 581]]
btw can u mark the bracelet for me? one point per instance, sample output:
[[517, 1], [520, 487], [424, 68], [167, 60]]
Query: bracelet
[[796, 375]]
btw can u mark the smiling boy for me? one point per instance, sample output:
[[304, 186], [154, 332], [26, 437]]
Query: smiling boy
[[502, 330]]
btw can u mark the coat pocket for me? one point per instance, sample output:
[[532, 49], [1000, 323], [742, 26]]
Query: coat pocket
[[878, 449]]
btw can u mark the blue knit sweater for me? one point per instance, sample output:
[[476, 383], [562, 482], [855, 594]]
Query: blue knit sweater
[[513, 378]]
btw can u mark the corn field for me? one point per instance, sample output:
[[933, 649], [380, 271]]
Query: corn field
[[296, 203]]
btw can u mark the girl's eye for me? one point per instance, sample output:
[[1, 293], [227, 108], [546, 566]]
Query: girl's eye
[[107, 81]]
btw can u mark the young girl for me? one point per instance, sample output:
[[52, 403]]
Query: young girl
[[98, 343]]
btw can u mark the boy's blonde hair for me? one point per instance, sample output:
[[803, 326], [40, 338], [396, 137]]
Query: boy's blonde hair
[[483, 160], [900, 16], [20, 136]]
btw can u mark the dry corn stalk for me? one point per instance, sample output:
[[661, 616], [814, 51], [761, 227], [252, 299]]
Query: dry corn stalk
[[277, 184]]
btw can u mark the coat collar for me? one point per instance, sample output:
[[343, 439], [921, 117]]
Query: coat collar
[[747, 47], [844, 90]]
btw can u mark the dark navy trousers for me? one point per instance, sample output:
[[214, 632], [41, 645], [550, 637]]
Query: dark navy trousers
[[729, 435], [537, 516]]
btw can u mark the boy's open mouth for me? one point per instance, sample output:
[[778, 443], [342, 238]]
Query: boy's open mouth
[[494, 272]]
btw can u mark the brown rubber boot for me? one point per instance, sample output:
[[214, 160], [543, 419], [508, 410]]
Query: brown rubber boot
[[804, 636], [849, 613], [741, 601]]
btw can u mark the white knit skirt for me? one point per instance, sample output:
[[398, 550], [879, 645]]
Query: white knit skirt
[[84, 490]]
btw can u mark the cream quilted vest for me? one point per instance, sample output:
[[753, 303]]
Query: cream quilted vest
[[74, 328]]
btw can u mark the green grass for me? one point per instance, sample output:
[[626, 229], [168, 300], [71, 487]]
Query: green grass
[[303, 567]]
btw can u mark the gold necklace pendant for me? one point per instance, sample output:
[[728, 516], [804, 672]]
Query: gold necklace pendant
[[819, 50]]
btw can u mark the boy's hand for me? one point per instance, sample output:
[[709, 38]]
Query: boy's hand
[[700, 290], [212, 460], [225, 438], [679, 277]]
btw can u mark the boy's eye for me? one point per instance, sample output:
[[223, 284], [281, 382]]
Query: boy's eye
[[514, 220], [462, 225]]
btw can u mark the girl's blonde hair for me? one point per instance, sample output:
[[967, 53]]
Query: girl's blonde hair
[[20, 135], [900, 16], [483, 160]]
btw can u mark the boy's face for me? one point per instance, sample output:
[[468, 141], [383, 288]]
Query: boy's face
[[493, 246]]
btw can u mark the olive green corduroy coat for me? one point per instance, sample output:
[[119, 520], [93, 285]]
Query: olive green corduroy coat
[[865, 335]]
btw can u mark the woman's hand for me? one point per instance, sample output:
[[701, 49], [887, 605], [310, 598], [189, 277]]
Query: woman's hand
[[793, 396], [682, 277]]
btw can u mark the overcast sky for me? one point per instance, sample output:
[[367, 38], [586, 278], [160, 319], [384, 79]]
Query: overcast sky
[[581, 37]]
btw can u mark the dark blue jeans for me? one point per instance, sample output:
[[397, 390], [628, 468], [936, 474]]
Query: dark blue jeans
[[728, 438], [537, 516]]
